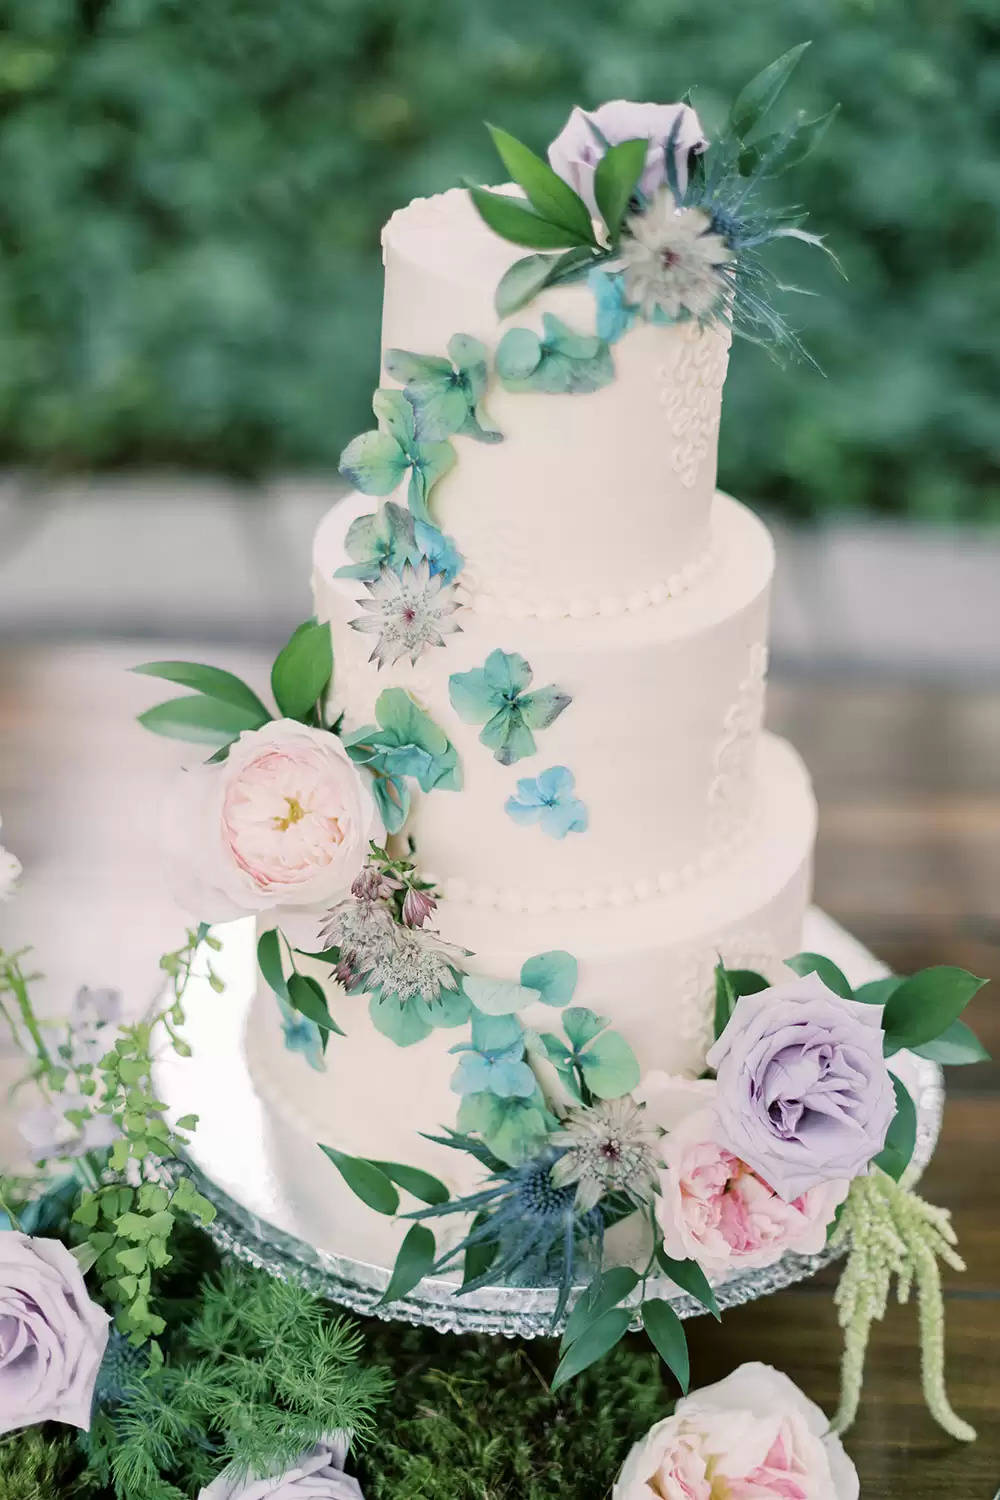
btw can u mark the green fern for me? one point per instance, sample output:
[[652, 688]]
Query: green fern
[[42, 1464]]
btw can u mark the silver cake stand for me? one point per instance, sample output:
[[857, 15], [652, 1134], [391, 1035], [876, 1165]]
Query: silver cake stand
[[263, 1215]]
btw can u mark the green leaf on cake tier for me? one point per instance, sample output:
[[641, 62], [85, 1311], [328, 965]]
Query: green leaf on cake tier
[[560, 362], [514, 219], [522, 282], [553, 975], [302, 670], [269, 963], [415, 1259], [377, 462], [306, 995], [666, 1334], [877, 991], [616, 179], [925, 1005], [730, 984], [446, 394], [832, 977], [422, 1185], [205, 721], [894, 1158], [212, 682], [956, 1047], [547, 192], [365, 1180], [607, 1289], [495, 695]]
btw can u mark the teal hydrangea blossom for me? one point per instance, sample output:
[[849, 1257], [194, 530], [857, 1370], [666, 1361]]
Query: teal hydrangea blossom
[[377, 462], [391, 538], [560, 361], [302, 1035], [615, 314], [548, 800], [446, 394], [495, 695], [493, 1062]]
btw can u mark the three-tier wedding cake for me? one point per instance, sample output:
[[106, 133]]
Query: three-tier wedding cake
[[649, 825]]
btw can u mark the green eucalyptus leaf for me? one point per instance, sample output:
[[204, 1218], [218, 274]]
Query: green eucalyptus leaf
[[599, 1339], [366, 1181], [553, 975], [582, 1025], [514, 220], [412, 1180], [609, 1066], [753, 102], [497, 997], [402, 1024], [415, 1259], [832, 977], [302, 670], [926, 1004], [689, 1275], [607, 1289], [549, 195], [666, 1334], [522, 282], [269, 963], [956, 1047], [616, 179], [901, 1138], [205, 721], [212, 681]]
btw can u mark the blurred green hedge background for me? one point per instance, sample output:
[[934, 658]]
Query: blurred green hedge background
[[190, 198]]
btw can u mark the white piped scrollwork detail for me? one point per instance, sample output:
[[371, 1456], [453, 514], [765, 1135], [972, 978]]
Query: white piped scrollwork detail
[[691, 396], [733, 760]]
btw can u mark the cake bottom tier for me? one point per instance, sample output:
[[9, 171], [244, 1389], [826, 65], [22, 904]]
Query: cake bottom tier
[[649, 967]]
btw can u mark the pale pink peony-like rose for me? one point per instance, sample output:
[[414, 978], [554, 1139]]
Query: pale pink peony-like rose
[[52, 1337], [752, 1436], [712, 1207], [284, 821]]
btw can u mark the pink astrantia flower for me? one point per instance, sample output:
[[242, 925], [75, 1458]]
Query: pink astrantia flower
[[712, 1207], [752, 1436], [284, 821]]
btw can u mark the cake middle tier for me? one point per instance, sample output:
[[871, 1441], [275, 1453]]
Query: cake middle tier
[[660, 734]]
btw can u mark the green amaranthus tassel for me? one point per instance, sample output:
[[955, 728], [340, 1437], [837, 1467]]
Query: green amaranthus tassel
[[889, 1231]]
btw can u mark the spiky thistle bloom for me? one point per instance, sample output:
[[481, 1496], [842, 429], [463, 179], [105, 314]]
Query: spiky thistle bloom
[[673, 260], [407, 612], [608, 1147], [379, 955], [536, 1230]]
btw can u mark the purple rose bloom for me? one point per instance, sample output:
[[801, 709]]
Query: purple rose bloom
[[577, 148], [804, 1093], [316, 1475], [52, 1337]]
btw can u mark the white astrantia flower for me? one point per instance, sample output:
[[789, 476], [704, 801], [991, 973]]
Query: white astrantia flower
[[408, 612], [10, 871], [405, 963], [672, 261], [609, 1147]]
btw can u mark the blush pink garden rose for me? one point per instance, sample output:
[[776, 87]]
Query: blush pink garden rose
[[52, 1336], [752, 1436], [284, 821], [711, 1206], [578, 148]]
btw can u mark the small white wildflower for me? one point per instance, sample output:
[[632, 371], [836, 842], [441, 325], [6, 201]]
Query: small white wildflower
[[609, 1147], [407, 612], [10, 871], [673, 261]]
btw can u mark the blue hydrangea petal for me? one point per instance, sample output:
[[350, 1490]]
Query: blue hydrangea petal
[[472, 696], [523, 813], [473, 1074], [559, 819], [439, 550], [529, 791], [615, 315], [395, 417], [542, 708], [512, 1080], [555, 783], [508, 736], [507, 673], [374, 463]]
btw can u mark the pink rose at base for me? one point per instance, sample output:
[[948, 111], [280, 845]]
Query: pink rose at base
[[712, 1207], [284, 821], [752, 1436]]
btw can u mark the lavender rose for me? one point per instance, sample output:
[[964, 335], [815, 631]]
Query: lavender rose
[[804, 1094], [52, 1337], [577, 148], [316, 1475]]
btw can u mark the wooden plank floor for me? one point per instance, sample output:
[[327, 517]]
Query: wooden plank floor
[[909, 859]]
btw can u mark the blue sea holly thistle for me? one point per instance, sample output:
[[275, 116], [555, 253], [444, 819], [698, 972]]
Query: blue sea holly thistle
[[446, 394], [378, 462], [496, 696]]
